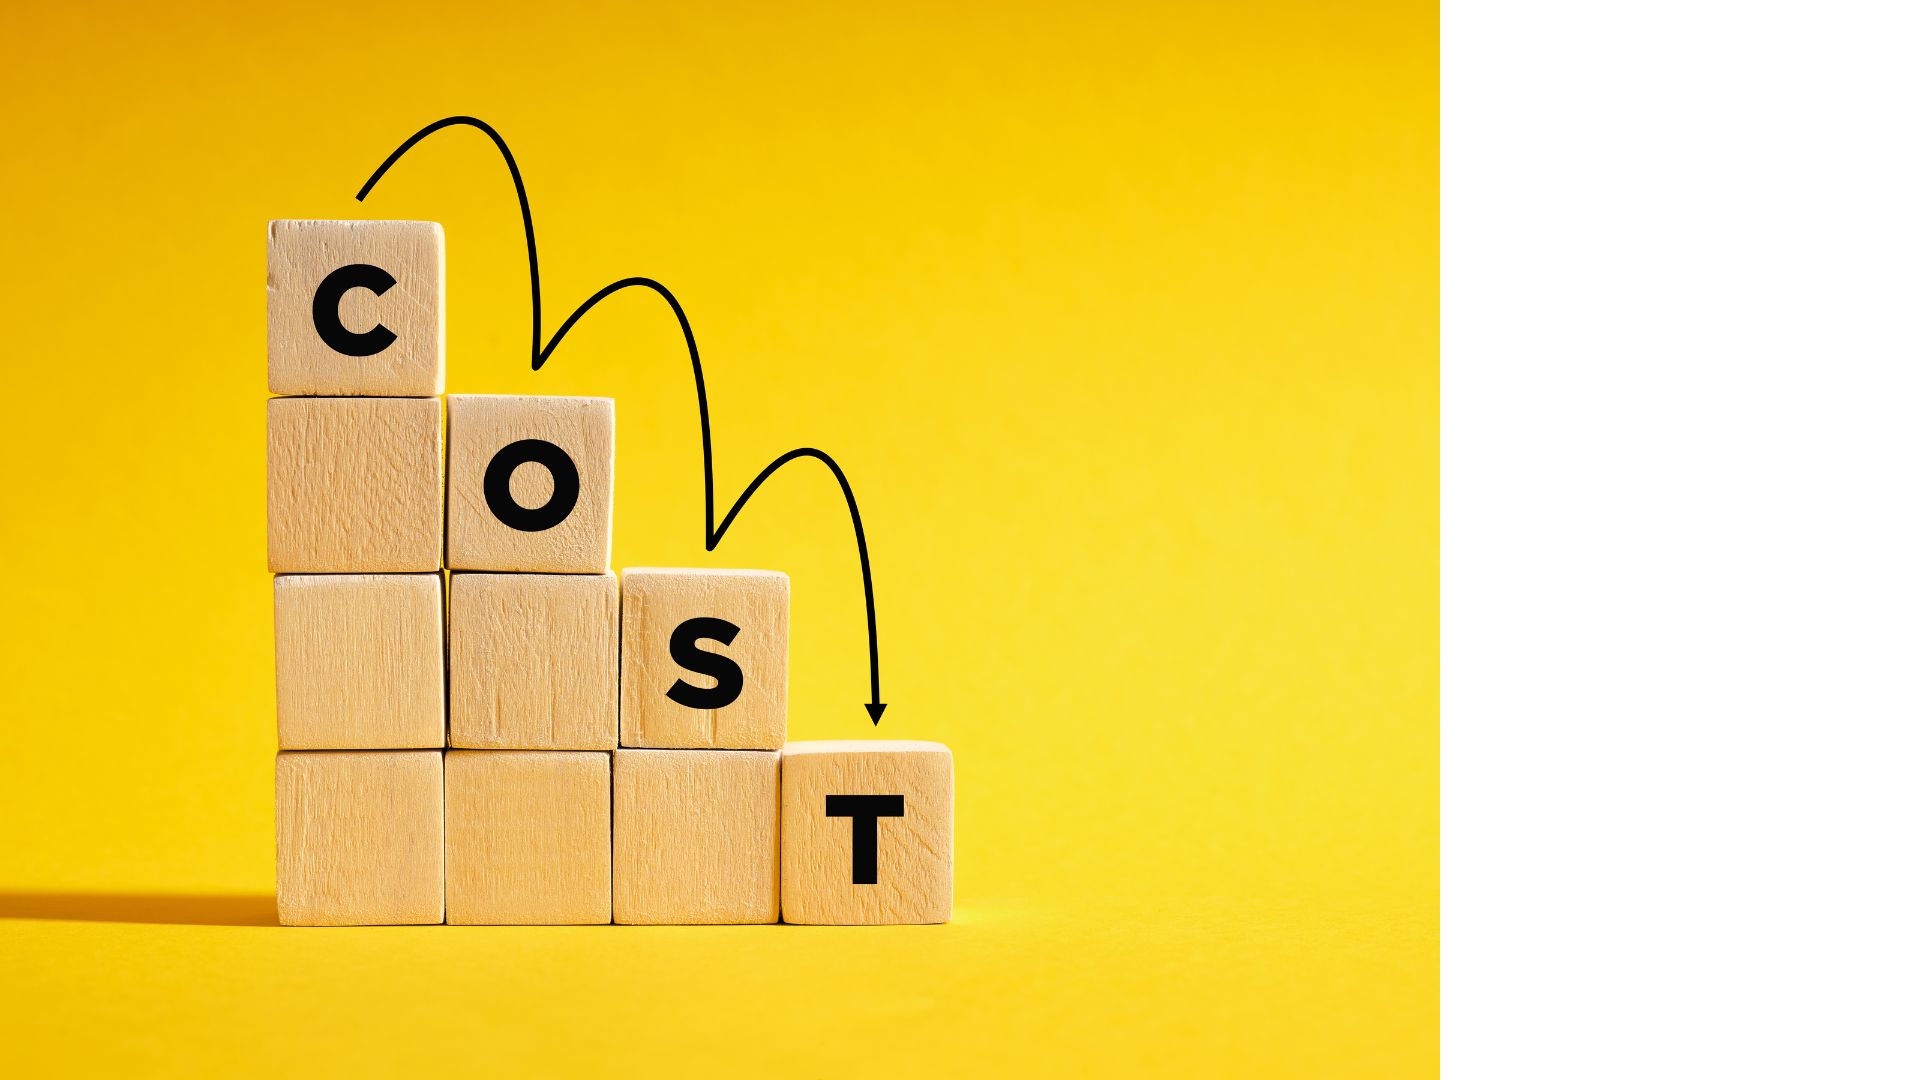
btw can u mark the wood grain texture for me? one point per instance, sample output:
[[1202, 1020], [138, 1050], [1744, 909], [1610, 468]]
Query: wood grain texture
[[353, 485], [914, 853], [301, 254], [696, 836], [358, 663], [478, 427], [656, 601], [529, 837], [359, 837], [534, 661]]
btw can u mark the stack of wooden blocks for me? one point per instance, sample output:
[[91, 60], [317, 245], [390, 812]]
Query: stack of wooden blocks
[[478, 722]]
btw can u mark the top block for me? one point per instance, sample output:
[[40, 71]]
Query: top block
[[529, 483], [356, 308]]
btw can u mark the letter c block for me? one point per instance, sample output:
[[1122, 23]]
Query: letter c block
[[356, 308]]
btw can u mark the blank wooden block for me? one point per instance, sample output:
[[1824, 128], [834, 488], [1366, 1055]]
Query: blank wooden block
[[529, 837], [696, 836], [359, 837], [534, 661], [531, 483], [353, 485], [866, 832], [356, 308], [732, 624], [358, 663]]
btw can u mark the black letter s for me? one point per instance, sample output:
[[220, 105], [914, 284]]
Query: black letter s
[[727, 677]]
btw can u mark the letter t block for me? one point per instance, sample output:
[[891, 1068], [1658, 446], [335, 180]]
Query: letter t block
[[866, 832]]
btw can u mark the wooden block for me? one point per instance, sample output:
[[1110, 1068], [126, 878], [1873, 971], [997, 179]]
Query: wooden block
[[356, 308], [866, 832], [535, 661], [358, 663], [696, 836], [529, 837], [360, 836], [531, 483], [353, 485], [703, 657]]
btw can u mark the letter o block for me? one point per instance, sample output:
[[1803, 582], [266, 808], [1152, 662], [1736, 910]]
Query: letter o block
[[529, 483], [356, 308], [703, 659], [866, 832]]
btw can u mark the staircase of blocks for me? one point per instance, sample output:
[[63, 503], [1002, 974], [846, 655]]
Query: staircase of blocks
[[479, 722]]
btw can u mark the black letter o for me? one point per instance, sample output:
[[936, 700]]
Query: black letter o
[[326, 309], [566, 485]]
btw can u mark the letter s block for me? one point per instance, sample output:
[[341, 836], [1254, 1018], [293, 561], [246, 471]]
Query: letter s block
[[866, 832], [529, 483], [356, 308], [703, 659]]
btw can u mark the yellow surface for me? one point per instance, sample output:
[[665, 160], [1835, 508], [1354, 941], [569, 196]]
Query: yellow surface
[[1123, 322]]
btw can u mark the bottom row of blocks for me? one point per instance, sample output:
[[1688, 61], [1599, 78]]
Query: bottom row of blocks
[[822, 832]]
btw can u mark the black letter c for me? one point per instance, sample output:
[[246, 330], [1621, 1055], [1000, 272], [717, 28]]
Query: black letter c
[[326, 309]]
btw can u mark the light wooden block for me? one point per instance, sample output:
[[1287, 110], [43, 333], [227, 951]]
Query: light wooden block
[[531, 483], [529, 837], [358, 663], [534, 661], [356, 308], [696, 836], [353, 485], [360, 836], [912, 854], [664, 703]]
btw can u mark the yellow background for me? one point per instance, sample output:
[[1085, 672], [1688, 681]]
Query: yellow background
[[1123, 320]]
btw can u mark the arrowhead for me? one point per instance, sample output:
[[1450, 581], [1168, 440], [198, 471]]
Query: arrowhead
[[874, 710]]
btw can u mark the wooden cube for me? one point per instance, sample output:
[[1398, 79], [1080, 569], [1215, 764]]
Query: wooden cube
[[529, 837], [534, 661], [353, 485], [356, 308], [866, 832], [703, 659], [531, 483], [360, 836], [358, 663], [696, 836]]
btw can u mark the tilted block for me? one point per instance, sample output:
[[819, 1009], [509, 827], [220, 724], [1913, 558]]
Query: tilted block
[[696, 836], [703, 658], [534, 661], [359, 837], [356, 308], [866, 832], [353, 485], [358, 663], [529, 837], [531, 483]]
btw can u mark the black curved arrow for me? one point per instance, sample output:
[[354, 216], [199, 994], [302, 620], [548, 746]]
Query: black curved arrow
[[540, 354]]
